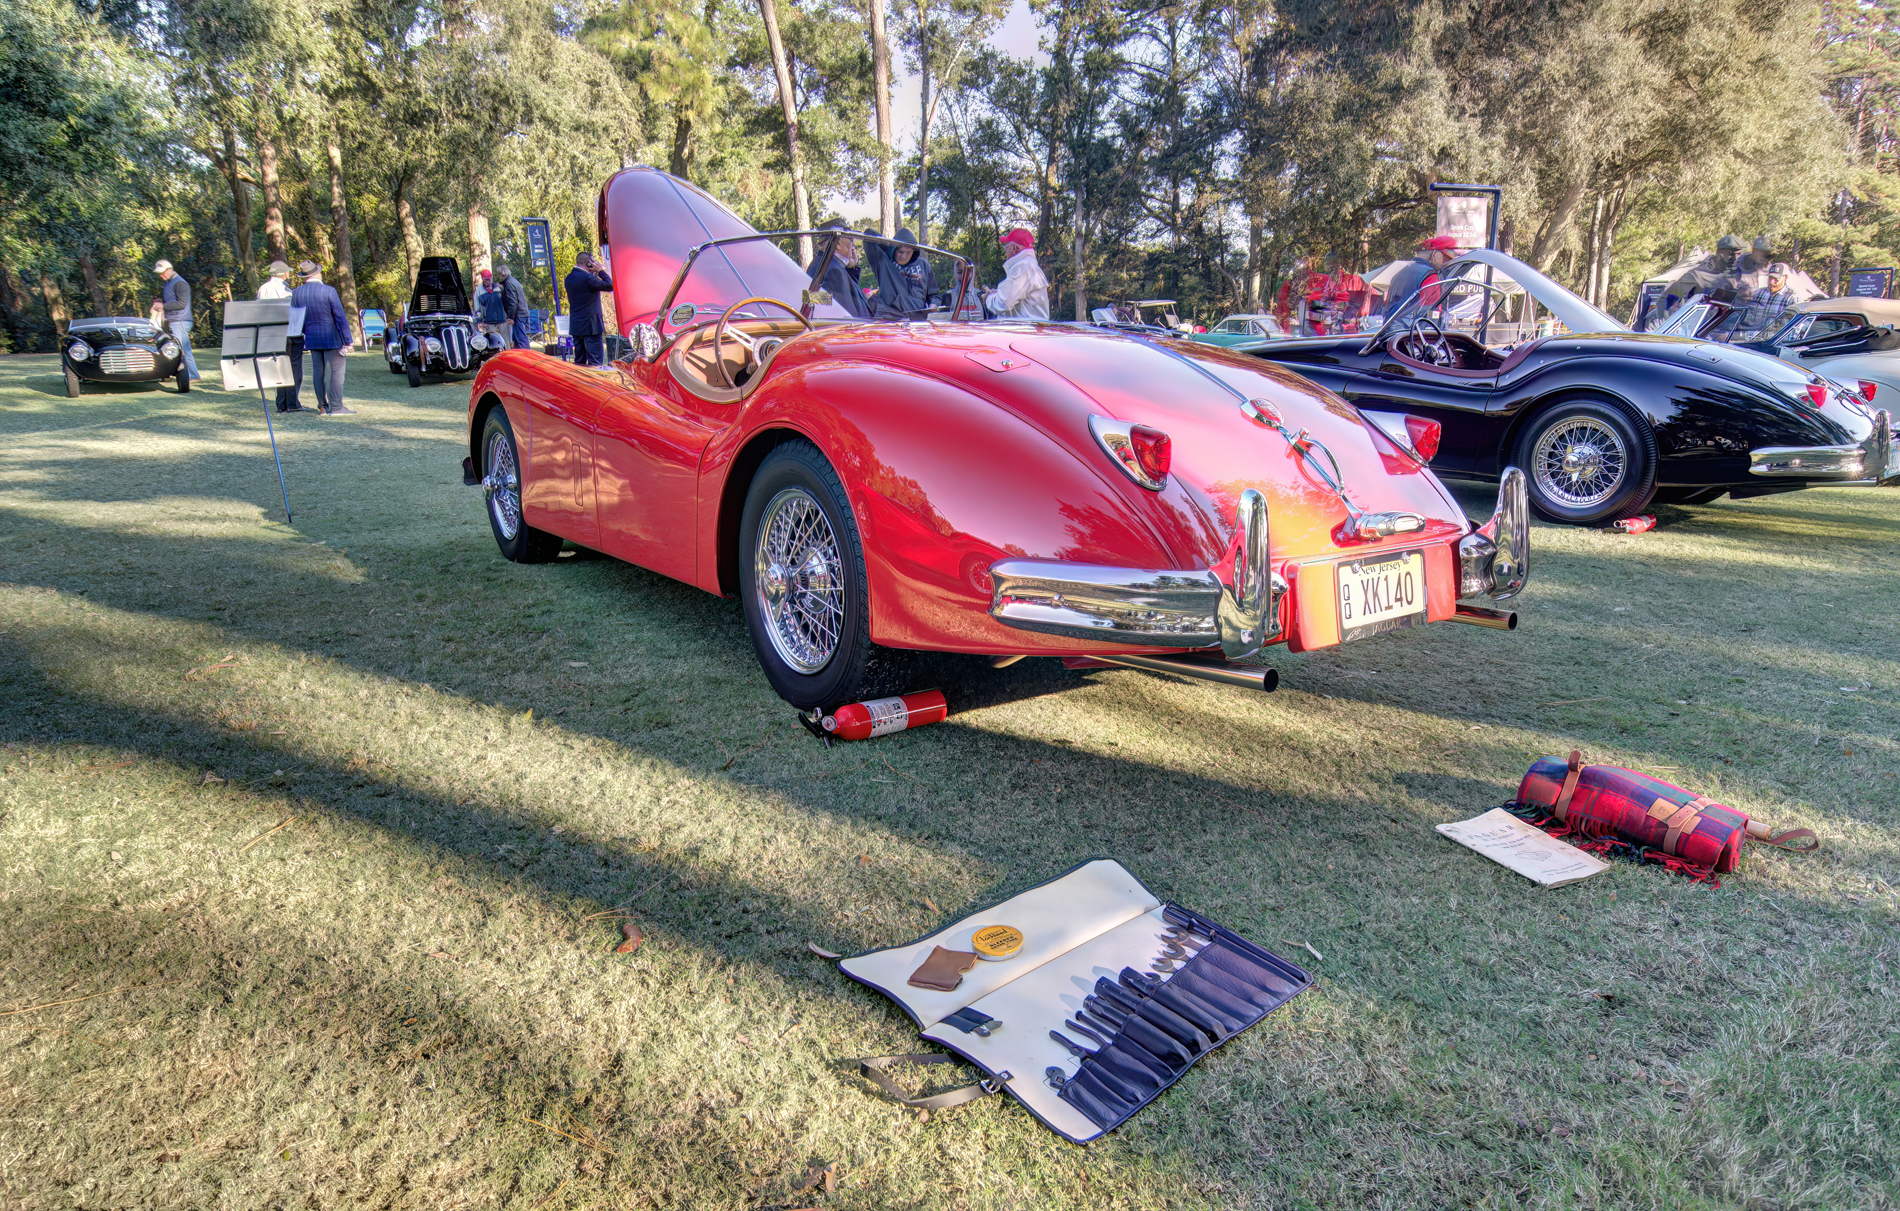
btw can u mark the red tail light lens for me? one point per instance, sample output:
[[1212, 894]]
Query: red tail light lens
[[1817, 393], [1153, 451], [1867, 390], [1425, 435]]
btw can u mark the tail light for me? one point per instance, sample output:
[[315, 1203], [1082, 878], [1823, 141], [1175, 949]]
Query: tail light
[[1867, 390], [1817, 394], [1425, 435], [1143, 453]]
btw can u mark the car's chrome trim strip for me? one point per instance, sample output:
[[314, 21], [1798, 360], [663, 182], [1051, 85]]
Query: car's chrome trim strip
[[1095, 601]]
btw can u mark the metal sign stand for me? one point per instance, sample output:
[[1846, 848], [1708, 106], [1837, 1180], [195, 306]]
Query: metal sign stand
[[256, 328]]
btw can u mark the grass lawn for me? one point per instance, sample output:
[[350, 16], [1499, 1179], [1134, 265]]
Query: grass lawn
[[305, 834]]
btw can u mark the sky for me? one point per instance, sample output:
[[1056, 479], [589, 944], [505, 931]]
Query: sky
[[1017, 36]]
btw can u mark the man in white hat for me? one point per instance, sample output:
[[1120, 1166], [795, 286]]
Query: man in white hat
[[175, 298], [277, 286]]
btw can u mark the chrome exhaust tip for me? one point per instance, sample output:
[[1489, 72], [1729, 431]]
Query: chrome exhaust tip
[[1484, 616], [1246, 676]]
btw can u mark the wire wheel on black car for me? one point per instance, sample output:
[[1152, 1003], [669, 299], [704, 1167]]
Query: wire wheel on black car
[[72, 383], [803, 582], [501, 491], [1588, 462]]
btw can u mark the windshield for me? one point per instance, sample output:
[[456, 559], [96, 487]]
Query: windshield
[[925, 285], [1494, 309]]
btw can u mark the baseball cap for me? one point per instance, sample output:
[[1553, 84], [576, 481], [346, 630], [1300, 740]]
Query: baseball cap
[[1779, 270], [161, 267], [1022, 237], [1440, 243], [488, 273]]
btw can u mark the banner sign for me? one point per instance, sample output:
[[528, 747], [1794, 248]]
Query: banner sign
[[1870, 283], [1465, 220], [1649, 304], [540, 243]]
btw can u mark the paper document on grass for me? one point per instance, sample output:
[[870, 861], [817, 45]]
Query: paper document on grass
[[1528, 850]]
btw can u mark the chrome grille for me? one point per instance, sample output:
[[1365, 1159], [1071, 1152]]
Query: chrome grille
[[126, 360]]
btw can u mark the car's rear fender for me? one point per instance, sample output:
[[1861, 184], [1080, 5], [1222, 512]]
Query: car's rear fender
[[942, 483]]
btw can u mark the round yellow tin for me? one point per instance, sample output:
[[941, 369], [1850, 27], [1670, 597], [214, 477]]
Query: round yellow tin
[[995, 942]]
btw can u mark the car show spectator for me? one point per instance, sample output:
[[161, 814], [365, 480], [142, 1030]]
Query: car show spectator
[[1713, 272], [585, 283], [175, 298], [1024, 291], [277, 286], [1421, 272], [514, 305], [491, 308], [906, 285], [835, 271], [1767, 307], [326, 334]]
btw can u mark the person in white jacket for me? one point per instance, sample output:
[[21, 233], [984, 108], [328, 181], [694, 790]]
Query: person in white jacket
[[1024, 292]]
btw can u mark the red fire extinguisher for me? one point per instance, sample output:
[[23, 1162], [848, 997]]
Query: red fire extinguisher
[[1636, 525], [882, 716]]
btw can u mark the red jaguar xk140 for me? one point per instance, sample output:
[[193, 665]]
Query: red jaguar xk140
[[871, 489]]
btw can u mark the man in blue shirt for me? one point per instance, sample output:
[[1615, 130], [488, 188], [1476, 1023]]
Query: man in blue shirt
[[175, 297], [585, 283], [326, 337]]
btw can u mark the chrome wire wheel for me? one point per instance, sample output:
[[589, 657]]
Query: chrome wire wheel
[[1579, 461], [502, 485], [799, 580]]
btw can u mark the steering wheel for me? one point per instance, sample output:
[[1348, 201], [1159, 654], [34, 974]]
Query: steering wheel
[[1438, 347], [754, 354]]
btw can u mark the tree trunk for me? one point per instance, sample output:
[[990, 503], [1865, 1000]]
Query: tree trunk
[[227, 163], [923, 125], [100, 304], [55, 302], [478, 245], [340, 222], [1555, 231], [406, 219], [1590, 247], [881, 99], [681, 163], [1256, 231], [318, 246], [275, 248], [13, 303], [1081, 287], [801, 197]]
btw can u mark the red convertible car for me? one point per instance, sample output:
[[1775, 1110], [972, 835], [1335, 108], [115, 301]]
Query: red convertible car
[[871, 489]]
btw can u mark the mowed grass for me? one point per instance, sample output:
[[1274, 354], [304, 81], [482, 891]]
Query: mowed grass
[[305, 834]]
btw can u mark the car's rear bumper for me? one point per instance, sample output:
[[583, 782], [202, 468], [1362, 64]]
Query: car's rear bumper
[[1864, 464], [1201, 608]]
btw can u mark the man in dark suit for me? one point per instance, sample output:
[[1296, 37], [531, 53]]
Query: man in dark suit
[[585, 283], [326, 337]]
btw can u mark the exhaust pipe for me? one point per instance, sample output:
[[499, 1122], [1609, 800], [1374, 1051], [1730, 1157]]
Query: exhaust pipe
[[1246, 676], [1483, 616]]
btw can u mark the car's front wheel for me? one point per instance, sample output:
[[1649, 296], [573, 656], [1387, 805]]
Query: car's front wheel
[[803, 582], [501, 489], [72, 383], [1588, 462], [415, 373], [183, 380]]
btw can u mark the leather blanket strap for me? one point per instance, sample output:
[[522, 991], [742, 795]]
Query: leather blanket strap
[[1561, 808], [872, 1069], [1781, 840]]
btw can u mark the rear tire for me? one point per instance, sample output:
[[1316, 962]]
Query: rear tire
[[1588, 462], [394, 367], [501, 465], [72, 383], [804, 587]]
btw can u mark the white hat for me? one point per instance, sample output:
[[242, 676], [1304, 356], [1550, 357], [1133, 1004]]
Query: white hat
[[161, 267]]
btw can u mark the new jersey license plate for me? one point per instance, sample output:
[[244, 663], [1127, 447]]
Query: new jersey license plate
[[1380, 594]]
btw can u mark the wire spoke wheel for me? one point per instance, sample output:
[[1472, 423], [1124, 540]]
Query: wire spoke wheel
[[502, 485], [799, 578], [1579, 461]]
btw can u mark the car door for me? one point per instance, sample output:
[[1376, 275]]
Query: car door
[[558, 495], [1457, 401], [647, 449]]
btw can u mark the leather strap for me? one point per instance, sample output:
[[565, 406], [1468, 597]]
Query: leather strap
[[1780, 840], [872, 1069], [1561, 808]]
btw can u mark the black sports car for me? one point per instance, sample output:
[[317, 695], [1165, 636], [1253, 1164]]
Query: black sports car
[[1602, 420], [437, 335], [120, 349]]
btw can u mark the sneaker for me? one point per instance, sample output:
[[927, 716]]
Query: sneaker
[[340, 410], [298, 408]]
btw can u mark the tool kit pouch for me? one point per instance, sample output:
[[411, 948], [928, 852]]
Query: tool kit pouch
[[1609, 801], [1112, 997]]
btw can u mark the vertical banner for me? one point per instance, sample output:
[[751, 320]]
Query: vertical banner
[[1465, 220], [541, 254], [1870, 283], [1649, 305]]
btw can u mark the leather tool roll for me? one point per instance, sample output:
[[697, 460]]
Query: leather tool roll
[[1168, 1022]]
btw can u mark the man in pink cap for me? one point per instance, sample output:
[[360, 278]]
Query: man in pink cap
[[1432, 255], [1024, 291]]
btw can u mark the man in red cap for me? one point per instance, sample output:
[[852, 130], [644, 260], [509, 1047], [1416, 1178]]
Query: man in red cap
[[1433, 254], [1024, 292]]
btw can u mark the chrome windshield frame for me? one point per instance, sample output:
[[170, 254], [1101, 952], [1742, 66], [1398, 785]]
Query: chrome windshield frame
[[1568, 309]]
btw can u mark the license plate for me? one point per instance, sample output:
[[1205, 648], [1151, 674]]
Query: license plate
[[1380, 594]]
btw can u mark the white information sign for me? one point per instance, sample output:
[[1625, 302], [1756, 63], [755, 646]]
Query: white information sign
[[253, 355], [1466, 220], [1529, 851]]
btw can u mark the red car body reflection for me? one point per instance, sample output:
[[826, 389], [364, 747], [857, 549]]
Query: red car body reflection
[[967, 456]]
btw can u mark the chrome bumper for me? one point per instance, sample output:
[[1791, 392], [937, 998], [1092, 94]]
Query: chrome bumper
[[1147, 606], [1494, 560], [1873, 461]]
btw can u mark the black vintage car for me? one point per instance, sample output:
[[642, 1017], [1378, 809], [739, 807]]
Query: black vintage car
[[1602, 420], [120, 349], [437, 334]]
